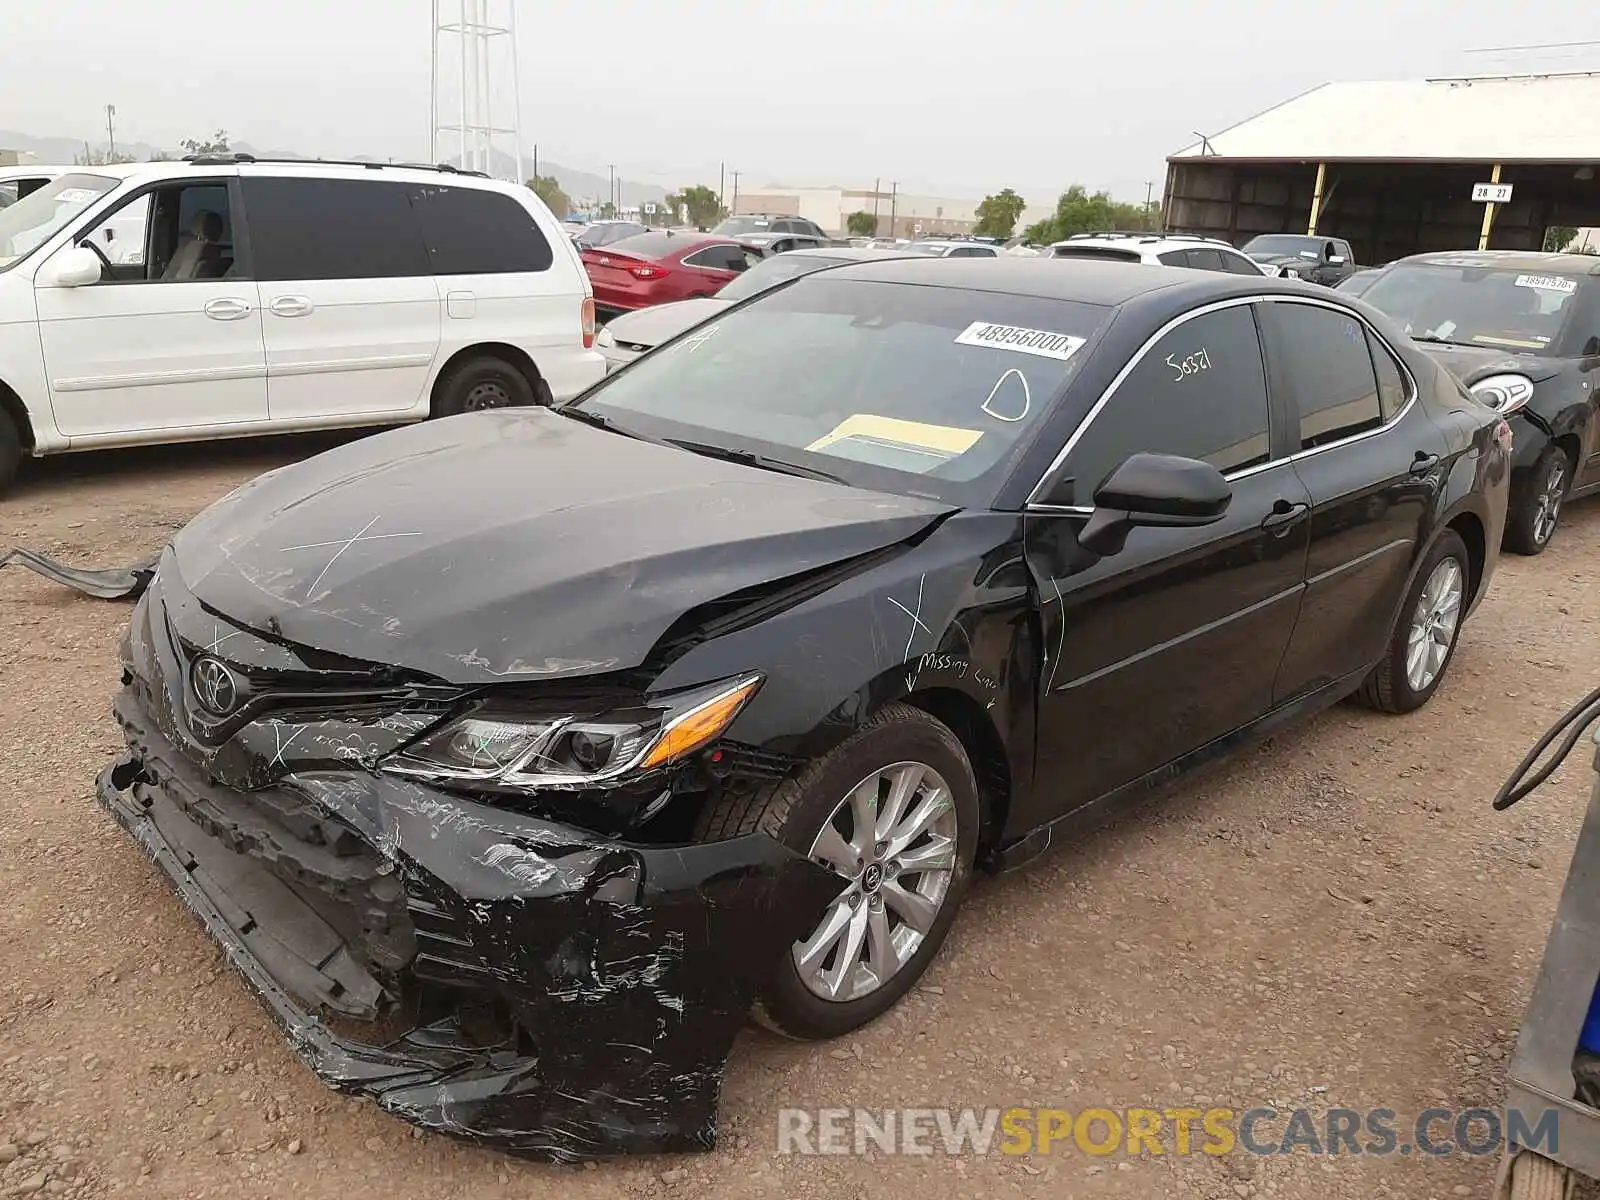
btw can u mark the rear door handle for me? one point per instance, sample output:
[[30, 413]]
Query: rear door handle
[[1285, 516], [291, 306], [1423, 464], [228, 308]]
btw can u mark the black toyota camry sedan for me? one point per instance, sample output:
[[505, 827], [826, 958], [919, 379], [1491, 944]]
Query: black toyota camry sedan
[[1522, 330], [515, 758]]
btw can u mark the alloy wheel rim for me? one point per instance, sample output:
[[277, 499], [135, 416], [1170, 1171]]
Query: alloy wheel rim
[[1548, 510], [893, 840], [1434, 624], [488, 394]]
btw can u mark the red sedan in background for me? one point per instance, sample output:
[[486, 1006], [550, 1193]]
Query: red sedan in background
[[655, 268]]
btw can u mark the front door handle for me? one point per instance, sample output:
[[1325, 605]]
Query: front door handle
[[1423, 464], [291, 306], [1285, 516], [228, 308]]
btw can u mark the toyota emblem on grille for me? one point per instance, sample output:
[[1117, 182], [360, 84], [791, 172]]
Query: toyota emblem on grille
[[214, 686]]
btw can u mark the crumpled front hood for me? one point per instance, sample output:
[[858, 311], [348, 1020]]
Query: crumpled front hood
[[514, 544], [652, 326], [1472, 363]]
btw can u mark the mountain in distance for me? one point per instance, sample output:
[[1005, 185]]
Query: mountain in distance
[[579, 185]]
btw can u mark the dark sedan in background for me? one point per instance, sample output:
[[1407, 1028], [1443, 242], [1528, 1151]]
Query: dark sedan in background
[[536, 745], [1522, 330], [663, 266], [1323, 260], [629, 335]]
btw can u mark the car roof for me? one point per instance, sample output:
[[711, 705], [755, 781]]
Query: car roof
[[1545, 262], [846, 253], [1084, 281], [35, 171], [154, 171]]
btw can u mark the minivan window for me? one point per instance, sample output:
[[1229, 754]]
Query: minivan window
[[899, 388], [1327, 365], [473, 231], [36, 217], [1200, 392], [307, 229]]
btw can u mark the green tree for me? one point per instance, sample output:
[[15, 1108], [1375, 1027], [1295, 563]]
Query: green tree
[[1079, 211], [861, 224], [667, 209], [997, 214], [704, 208], [549, 190], [217, 143], [1559, 237]]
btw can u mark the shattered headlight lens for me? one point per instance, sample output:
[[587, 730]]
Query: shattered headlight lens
[[577, 749]]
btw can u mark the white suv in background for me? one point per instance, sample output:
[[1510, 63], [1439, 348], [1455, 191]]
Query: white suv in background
[[224, 297], [1158, 249]]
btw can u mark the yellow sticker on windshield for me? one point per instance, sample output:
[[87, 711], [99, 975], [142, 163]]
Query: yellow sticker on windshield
[[945, 438]]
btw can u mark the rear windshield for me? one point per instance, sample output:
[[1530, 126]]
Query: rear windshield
[[1101, 252], [650, 245], [770, 272], [930, 391], [608, 232], [1476, 306]]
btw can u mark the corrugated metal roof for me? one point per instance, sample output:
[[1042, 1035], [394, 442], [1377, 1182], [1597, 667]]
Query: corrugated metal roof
[[1500, 119]]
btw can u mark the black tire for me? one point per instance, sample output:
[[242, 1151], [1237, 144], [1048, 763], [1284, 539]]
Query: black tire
[[480, 383], [1388, 688], [794, 813], [1530, 525], [10, 450]]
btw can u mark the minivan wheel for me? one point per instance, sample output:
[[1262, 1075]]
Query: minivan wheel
[[482, 383], [10, 450], [893, 811], [1424, 638], [1533, 519]]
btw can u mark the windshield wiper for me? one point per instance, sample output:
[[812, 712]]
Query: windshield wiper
[[599, 422], [751, 459], [1438, 341]]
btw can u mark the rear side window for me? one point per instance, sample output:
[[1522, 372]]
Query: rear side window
[[722, 258], [302, 229], [1322, 356], [1200, 392], [1205, 260], [470, 231]]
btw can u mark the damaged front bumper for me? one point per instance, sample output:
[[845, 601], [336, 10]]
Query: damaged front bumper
[[476, 970]]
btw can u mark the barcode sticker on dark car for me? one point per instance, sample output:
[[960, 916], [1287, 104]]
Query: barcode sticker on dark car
[[1043, 342]]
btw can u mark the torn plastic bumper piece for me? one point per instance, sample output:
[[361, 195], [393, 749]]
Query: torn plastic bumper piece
[[627, 970], [127, 583]]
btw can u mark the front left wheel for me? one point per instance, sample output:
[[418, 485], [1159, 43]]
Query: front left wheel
[[893, 811]]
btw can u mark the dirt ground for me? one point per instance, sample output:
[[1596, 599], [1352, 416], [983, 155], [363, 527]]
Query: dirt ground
[[1335, 918]]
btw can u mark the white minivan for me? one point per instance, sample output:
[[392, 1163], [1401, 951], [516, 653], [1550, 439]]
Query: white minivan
[[224, 297]]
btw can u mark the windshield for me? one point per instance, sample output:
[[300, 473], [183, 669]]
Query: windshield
[[37, 216], [929, 391], [1475, 306], [734, 226], [770, 272], [1279, 245]]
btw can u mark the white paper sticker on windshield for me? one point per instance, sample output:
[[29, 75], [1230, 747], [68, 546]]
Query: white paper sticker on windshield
[[75, 195], [1548, 283], [1042, 342]]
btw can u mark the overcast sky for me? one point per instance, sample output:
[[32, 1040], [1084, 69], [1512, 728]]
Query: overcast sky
[[953, 99]]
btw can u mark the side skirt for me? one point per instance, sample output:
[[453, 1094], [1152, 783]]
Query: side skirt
[[1096, 812]]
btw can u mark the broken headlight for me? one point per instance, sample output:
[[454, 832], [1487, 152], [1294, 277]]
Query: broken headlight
[[576, 750]]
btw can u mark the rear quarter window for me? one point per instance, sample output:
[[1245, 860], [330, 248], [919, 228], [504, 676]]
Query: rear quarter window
[[472, 231]]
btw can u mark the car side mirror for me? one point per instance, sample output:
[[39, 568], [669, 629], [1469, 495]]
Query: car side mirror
[[72, 268], [1154, 490]]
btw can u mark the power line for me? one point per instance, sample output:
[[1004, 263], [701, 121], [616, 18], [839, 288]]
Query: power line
[[1536, 46]]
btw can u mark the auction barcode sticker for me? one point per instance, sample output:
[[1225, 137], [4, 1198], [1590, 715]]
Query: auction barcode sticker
[[1548, 283], [1042, 342]]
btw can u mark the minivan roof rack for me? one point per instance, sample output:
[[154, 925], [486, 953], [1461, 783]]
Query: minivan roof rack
[[236, 158]]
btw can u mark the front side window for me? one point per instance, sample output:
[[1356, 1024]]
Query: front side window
[[1238, 264], [1323, 358], [304, 229], [1199, 392], [1523, 311], [900, 388], [35, 218], [177, 233]]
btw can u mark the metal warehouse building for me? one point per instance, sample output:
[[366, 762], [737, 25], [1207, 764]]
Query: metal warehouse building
[[1392, 167]]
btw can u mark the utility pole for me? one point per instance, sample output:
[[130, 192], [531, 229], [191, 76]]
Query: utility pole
[[735, 207], [876, 184], [111, 133], [536, 164], [722, 182], [894, 196], [1149, 187], [611, 187]]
